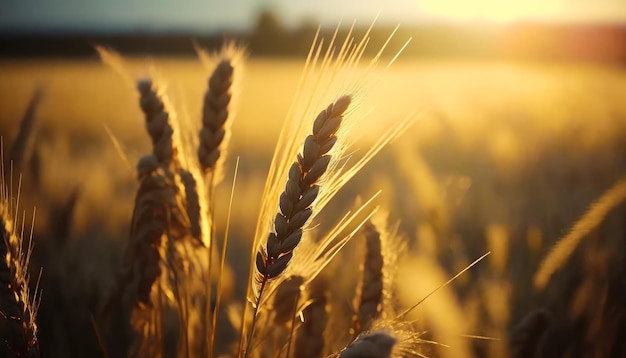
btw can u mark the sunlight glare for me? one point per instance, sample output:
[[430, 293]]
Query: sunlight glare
[[492, 10]]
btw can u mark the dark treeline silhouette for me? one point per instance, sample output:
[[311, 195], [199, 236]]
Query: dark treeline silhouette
[[270, 38]]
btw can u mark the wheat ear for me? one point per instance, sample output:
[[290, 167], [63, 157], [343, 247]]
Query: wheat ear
[[157, 123], [18, 330], [148, 228], [295, 201], [368, 302], [285, 299], [166, 152], [371, 345], [151, 234], [309, 341], [565, 246], [23, 144], [145, 251], [300, 192], [215, 113]]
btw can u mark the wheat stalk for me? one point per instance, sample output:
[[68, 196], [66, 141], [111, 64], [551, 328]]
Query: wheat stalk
[[295, 202], [323, 74], [214, 135]]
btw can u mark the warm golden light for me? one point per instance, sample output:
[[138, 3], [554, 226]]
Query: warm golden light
[[492, 10]]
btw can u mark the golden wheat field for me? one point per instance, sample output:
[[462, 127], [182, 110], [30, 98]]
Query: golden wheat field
[[494, 156]]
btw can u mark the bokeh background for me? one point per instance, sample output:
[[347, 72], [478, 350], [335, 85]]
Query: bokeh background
[[521, 126]]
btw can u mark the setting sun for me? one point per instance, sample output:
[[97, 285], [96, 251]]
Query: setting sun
[[491, 10]]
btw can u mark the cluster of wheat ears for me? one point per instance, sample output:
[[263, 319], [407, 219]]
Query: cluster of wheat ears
[[171, 282]]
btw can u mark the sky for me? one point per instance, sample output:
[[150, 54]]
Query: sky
[[207, 15]]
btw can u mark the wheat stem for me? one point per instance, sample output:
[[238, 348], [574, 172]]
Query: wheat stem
[[223, 262]]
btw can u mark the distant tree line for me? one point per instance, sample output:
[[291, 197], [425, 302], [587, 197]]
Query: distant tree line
[[269, 37]]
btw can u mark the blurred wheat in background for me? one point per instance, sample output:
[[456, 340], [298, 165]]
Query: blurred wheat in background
[[377, 195]]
